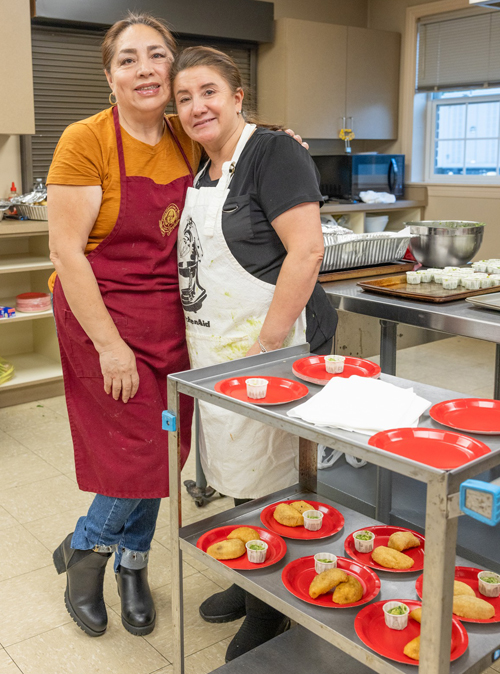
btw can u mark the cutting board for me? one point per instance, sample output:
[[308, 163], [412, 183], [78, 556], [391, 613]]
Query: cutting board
[[427, 292], [363, 272]]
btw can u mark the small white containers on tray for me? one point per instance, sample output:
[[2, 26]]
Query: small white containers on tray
[[334, 364], [256, 551], [489, 583], [450, 281], [324, 561], [256, 387], [413, 277], [397, 620], [313, 519], [425, 275], [363, 540], [473, 282]]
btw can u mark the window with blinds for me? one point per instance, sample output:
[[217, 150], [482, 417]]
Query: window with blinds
[[459, 52], [69, 84]]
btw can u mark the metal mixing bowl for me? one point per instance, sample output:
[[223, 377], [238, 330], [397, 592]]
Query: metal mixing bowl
[[437, 243]]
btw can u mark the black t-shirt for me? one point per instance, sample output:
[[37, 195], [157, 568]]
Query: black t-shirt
[[274, 174]]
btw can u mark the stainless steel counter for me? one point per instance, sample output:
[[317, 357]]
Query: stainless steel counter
[[454, 318]]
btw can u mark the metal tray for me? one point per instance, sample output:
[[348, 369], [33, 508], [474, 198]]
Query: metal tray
[[428, 292], [368, 249], [488, 302]]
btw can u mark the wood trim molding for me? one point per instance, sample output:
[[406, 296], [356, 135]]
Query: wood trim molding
[[409, 64], [464, 191]]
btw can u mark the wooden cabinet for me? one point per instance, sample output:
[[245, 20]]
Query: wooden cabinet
[[313, 74], [372, 89], [28, 340], [17, 112]]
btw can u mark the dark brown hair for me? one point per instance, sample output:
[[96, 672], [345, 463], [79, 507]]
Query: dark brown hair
[[132, 19], [192, 57]]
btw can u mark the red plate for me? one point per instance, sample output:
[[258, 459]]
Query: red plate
[[468, 574], [275, 551], [371, 629], [279, 390], [333, 522], [382, 534], [298, 576], [313, 369], [433, 447], [473, 415]]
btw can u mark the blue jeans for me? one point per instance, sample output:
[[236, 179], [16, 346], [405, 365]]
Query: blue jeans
[[124, 526]]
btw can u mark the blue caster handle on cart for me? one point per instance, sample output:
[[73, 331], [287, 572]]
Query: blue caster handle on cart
[[481, 500]]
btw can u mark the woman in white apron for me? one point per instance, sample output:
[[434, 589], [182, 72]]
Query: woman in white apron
[[249, 251]]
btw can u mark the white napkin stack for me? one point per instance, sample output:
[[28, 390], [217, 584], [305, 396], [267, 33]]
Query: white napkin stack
[[371, 197], [362, 405]]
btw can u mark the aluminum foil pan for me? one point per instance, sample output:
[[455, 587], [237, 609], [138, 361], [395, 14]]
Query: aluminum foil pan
[[362, 250]]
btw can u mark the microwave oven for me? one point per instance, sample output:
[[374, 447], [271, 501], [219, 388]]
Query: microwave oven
[[344, 176]]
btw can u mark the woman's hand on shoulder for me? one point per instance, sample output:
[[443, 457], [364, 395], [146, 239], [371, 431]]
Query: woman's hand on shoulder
[[296, 137], [119, 369]]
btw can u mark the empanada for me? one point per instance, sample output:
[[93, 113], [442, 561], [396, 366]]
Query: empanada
[[416, 614], [391, 559], [244, 534], [348, 592], [460, 588], [301, 506], [402, 540], [326, 581], [473, 608], [412, 649], [288, 516], [227, 549]]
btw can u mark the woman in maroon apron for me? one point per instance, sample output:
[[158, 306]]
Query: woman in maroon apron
[[121, 332]]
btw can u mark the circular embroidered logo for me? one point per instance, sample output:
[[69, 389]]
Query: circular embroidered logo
[[169, 220]]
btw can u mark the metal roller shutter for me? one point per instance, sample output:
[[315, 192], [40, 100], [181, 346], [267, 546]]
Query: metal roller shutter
[[69, 84]]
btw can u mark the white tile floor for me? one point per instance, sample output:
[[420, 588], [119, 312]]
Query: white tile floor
[[39, 504]]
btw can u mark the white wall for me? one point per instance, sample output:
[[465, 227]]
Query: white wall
[[343, 12]]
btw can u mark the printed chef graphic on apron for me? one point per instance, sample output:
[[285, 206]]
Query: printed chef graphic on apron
[[225, 308], [190, 250]]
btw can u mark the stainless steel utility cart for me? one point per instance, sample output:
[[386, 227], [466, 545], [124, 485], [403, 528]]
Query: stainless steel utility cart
[[334, 626]]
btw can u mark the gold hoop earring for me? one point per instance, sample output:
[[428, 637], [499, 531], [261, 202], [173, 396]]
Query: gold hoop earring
[[112, 103]]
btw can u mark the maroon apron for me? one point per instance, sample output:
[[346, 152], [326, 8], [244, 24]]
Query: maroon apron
[[120, 449]]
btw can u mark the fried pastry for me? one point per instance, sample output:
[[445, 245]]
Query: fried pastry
[[391, 559], [460, 588], [412, 649], [402, 540], [244, 534], [473, 608], [416, 614], [288, 516], [227, 549], [348, 592], [326, 581], [301, 506]]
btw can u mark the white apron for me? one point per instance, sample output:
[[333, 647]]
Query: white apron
[[225, 307]]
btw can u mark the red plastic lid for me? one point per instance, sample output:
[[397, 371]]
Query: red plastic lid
[[13, 187], [32, 296]]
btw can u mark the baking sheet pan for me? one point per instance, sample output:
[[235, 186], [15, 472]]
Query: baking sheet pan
[[427, 292]]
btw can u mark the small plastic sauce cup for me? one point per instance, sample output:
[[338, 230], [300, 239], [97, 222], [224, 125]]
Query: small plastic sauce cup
[[256, 387], [488, 589], [313, 519], [324, 561], [256, 556], [413, 277], [395, 622], [363, 545], [334, 364]]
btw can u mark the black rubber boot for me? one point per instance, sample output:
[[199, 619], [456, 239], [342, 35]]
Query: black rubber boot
[[138, 608], [85, 577], [224, 607], [261, 624]]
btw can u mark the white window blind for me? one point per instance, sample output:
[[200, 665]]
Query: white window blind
[[459, 52]]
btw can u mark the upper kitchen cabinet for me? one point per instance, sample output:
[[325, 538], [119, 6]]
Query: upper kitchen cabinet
[[301, 81], [313, 74], [17, 113], [373, 82]]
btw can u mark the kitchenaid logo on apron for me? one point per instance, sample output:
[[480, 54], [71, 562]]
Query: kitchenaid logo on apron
[[169, 219], [190, 252]]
